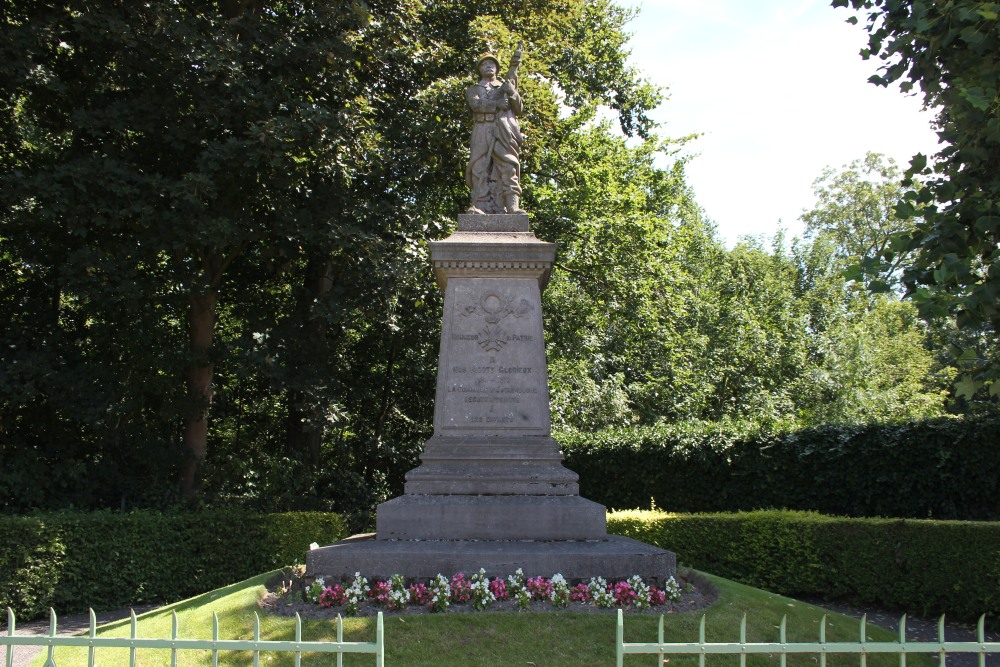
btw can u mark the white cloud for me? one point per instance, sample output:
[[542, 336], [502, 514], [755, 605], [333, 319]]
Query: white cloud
[[779, 91]]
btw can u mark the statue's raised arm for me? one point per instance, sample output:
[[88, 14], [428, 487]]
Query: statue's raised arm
[[494, 169]]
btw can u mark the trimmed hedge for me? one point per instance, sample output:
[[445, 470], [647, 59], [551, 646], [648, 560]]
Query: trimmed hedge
[[919, 566], [943, 469], [71, 561]]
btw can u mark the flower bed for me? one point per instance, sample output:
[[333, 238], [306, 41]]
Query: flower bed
[[477, 592]]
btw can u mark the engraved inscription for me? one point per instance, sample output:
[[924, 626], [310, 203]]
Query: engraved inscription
[[495, 307], [497, 375]]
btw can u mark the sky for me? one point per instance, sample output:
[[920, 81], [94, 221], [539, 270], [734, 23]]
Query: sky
[[777, 90]]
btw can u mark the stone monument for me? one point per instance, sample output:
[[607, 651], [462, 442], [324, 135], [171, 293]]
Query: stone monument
[[491, 490]]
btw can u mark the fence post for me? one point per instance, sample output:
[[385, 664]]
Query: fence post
[[620, 641]]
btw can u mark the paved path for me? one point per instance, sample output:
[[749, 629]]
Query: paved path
[[922, 630], [65, 626]]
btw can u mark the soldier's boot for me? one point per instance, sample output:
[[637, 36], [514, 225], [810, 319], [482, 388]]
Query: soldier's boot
[[512, 204]]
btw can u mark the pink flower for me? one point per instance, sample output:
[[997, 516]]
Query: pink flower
[[331, 595], [499, 589], [380, 592], [623, 593], [461, 590], [580, 593], [656, 596], [539, 587], [419, 594]]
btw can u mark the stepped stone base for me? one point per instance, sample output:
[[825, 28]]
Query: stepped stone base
[[613, 557], [491, 491], [492, 466], [467, 517]]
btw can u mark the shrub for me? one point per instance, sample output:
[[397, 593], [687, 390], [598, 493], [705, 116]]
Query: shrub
[[943, 468], [71, 561], [919, 566]]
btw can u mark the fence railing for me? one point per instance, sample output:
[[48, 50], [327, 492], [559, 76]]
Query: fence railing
[[782, 647], [133, 642]]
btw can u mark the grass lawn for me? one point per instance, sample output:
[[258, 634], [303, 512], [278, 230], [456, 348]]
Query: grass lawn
[[479, 639]]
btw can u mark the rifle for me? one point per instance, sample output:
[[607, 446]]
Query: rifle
[[515, 62]]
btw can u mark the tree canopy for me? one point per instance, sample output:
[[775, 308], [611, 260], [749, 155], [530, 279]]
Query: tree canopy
[[214, 268], [948, 51]]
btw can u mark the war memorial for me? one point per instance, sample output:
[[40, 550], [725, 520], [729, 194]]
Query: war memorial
[[491, 491]]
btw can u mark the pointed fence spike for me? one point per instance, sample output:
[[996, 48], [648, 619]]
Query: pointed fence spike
[[822, 630], [340, 640], [701, 640], [53, 623], [981, 628], [92, 650], [782, 638], [863, 630], [215, 638], [10, 633], [298, 638], [943, 654], [380, 641], [134, 625], [743, 629], [660, 637], [902, 640], [256, 638], [173, 636]]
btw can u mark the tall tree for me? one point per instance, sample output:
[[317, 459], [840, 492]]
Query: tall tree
[[949, 51], [179, 139], [236, 196], [856, 208]]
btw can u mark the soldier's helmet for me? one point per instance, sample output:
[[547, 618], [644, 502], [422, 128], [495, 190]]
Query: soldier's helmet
[[487, 56]]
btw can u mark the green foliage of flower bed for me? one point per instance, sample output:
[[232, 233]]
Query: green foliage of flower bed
[[71, 561], [918, 566], [942, 469]]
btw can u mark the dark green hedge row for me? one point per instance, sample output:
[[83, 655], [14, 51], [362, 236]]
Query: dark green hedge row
[[942, 469], [71, 561], [916, 566]]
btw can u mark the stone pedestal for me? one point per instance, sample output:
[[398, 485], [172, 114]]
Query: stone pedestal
[[491, 490]]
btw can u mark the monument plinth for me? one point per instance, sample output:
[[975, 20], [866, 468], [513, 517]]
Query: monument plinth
[[492, 470], [491, 491]]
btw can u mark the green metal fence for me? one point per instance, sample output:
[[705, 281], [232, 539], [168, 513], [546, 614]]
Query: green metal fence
[[92, 642], [863, 648]]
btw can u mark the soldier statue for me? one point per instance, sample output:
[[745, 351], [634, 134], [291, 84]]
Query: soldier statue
[[494, 169]]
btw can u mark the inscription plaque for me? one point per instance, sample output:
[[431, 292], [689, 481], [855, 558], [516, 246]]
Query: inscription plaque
[[492, 375]]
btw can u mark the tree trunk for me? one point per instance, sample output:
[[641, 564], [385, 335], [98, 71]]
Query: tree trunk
[[198, 378], [303, 435], [302, 438]]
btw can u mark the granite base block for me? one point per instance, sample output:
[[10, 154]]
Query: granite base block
[[469, 517], [493, 222], [614, 557]]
